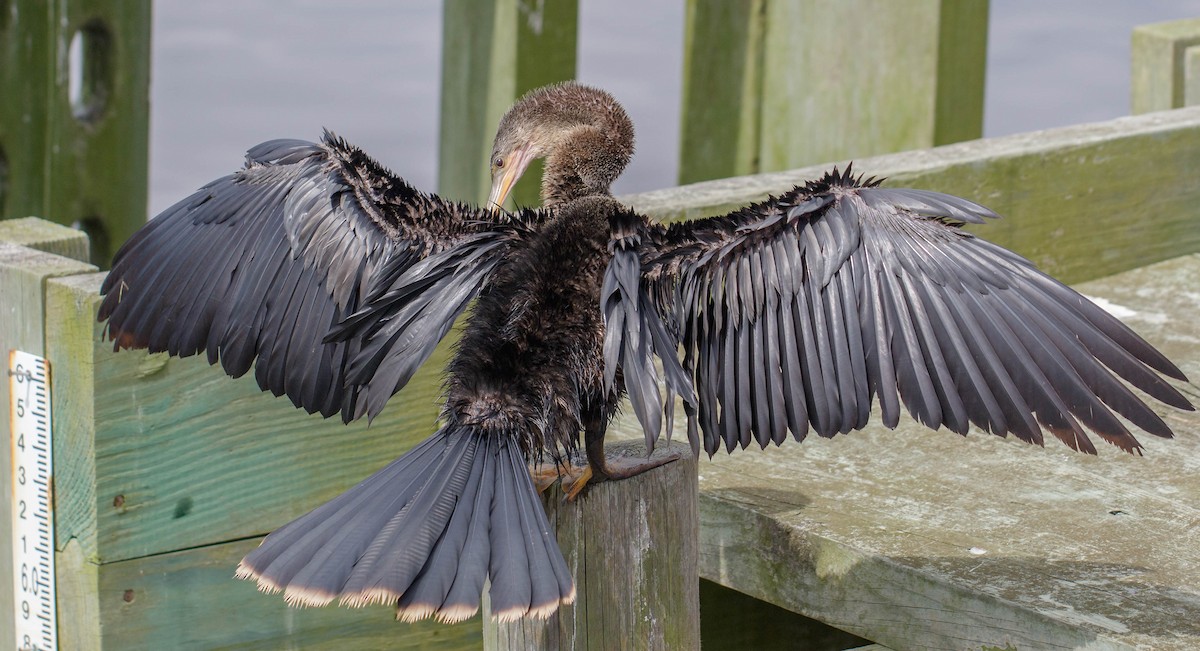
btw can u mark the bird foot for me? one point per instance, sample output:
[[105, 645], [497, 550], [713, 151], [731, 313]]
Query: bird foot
[[613, 468]]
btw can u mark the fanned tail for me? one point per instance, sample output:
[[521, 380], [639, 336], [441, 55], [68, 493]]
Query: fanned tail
[[424, 533]]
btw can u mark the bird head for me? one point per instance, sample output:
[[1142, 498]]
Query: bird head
[[583, 133]]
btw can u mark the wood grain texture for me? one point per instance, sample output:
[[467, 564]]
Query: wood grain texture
[[631, 546], [492, 53], [921, 540], [1081, 202], [23, 275], [1159, 79]]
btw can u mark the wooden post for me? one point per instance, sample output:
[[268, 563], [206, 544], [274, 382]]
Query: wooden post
[[492, 53], [74, 115], [24, 268], [632, 546], [776, 84], [1166, 66]]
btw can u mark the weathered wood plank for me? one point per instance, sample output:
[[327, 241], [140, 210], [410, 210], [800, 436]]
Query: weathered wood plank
[[45, 236], [190, 600], [918, 539], [774, 84], [492, 53], [23, 274], [161, 454], [1160, 78], [1081, 202], [631, 546]]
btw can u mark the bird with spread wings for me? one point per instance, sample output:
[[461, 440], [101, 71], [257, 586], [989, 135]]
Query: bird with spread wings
[[334, 280]]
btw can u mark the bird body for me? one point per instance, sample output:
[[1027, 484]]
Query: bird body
[[335, 280]]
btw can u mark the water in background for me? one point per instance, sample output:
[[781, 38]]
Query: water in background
[[228, 74]]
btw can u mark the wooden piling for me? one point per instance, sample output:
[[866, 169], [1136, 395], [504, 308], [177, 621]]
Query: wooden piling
[[74, 115], [775, 84], [492, 53], [1166, 66], [632, 547]]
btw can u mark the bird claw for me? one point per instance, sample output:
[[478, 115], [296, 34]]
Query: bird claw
[[575, 480]]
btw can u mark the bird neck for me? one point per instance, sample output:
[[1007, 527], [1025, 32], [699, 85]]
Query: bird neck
[[586, 162]]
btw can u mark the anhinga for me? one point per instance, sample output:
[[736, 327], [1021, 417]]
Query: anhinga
[[335, 280]]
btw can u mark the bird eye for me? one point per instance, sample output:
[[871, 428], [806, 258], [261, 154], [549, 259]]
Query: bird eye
[[498, 163]]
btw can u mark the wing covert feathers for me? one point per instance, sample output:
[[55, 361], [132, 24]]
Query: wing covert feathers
[[798, 312], [257, 268], [424, 533]]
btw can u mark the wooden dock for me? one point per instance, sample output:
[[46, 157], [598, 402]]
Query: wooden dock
[[167, 472]]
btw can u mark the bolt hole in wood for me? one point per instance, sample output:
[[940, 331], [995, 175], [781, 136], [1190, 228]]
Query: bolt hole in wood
[[128, 596], [89, 71]]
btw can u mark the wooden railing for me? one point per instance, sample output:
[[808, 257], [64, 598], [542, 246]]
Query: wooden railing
[[168, 472]]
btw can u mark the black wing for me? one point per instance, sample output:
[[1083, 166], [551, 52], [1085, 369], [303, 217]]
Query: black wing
[[267, 262], [798, 312]]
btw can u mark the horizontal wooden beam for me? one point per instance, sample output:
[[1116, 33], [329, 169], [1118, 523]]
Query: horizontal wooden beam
[[921, 539]]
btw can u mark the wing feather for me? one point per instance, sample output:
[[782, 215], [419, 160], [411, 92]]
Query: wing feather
[[798, 312], [259, 267]]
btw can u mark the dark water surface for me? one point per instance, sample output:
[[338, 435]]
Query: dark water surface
[[228, 74]]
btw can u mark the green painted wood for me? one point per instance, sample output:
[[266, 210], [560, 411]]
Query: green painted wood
[[1081, 202], [722, 88], [26, 79], [189, 600], [1191, 76], [45, 236], [83, 163], [162, 454], [23, 274], [1159, 78], [921, 539], [777, 84], [492, 53], [631, 546], [99, 157]]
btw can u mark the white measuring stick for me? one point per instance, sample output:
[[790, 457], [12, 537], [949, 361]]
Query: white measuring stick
[[32, 510]]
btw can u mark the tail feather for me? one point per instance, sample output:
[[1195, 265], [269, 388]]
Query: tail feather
[[424, 533]]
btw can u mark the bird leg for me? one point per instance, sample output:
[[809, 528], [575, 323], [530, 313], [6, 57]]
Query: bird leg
[[602, 467]]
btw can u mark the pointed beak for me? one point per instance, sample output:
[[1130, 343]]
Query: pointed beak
[[503, 182]]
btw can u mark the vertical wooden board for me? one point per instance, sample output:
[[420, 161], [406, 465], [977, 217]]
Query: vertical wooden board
[[1191, 76], [45, 236], [169, 454], [23, 274], [26, 76], [1158, 82], [722, 88], [492, 53], [961, 73], [850, 79], [190, 600], [98, 159], [631, 546]]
